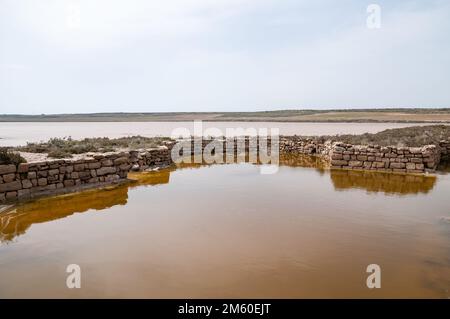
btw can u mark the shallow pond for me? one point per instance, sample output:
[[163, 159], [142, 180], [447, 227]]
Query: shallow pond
[[228, 231], [19, 133]]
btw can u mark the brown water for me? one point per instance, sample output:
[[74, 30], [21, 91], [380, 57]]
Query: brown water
[[227, 231], [13, 134]]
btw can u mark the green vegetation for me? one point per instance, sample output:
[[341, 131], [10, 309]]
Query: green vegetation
[[413, 136], [409, 136], [9, 157], [66, 147]]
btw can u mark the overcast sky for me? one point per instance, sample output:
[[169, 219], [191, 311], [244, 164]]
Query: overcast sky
[[84, 56]]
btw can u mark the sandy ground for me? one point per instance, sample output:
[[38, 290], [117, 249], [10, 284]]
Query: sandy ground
[[42, 157]]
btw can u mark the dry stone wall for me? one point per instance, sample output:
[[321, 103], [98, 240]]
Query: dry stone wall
[[371, 157], [30, 180]]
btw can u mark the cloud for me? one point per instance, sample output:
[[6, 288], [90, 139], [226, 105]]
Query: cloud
[[201, 55]]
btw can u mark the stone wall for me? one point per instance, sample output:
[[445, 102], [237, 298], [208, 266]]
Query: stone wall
[[370, 157], [391, 159], [30, 180], [445, 150]]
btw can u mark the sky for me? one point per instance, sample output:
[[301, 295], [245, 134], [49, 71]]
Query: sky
[[84, 56]]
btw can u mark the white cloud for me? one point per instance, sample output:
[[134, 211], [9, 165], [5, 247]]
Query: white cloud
[[216, 55]]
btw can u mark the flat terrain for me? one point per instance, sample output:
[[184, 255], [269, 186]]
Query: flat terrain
[[350, 115]]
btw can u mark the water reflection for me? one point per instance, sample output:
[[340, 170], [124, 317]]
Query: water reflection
[[17, 220], [382, 182]]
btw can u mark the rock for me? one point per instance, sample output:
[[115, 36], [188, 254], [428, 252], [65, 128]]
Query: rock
[[107, 162], [355, 163], [135, 168], [84, 175], [9, 177], [112, 177], [31, 175], [120, 160], [338, 162], [23, 193], [6, 169], [26, 183], [11, 195], [125, 167], [106, 170], [53, 172], [336, 156], [69, 183], [75, 175], [42, 181], [78, 167], [94, 165], [12, 186], [23, 168], [410, 166], [396, 165], [42, 173]]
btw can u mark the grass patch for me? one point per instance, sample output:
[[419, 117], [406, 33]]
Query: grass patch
[[413, 136], [66, 147]]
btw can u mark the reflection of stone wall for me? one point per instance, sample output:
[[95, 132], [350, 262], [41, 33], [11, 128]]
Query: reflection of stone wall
[[382, 182], [16, 221]]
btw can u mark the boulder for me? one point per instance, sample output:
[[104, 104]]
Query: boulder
[[12, 186], [6, 169], [106, 170]]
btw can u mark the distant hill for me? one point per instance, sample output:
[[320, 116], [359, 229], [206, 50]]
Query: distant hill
[[339, 115]]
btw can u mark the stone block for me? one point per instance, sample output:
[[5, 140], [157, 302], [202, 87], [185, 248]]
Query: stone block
[[120, 161], [31, 175], [12, 186], [42, 173], [69, 183], [107, 162], [26, 183], [355, 163], [106, 170], [396, 165], [9, 177], [22, 193], [42, 181], [94, 165], [11, 195], [23, 168], [53, 172], [78, 167], [6, 169]]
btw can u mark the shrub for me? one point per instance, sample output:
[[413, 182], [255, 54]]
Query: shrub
[[66, 147], [8, 157]]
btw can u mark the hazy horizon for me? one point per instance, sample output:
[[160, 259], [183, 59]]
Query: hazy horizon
[[81, 57]]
